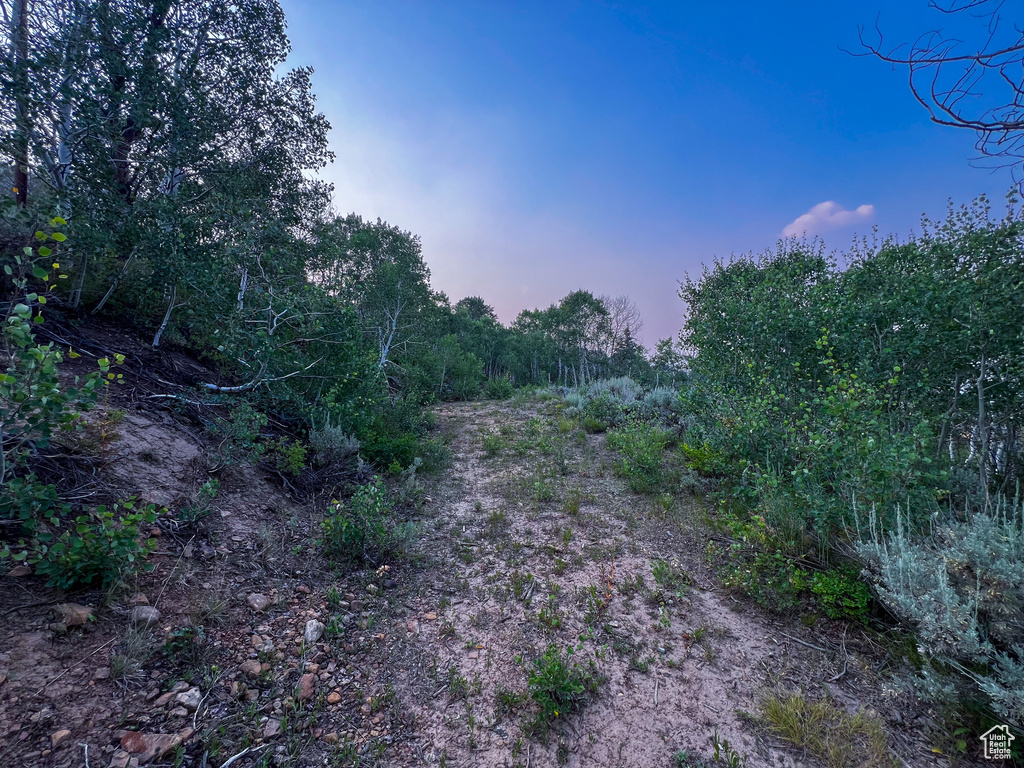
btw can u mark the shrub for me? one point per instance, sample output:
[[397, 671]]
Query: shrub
[[841, 595], [287, 456], [499, 388], [332, 445], [100, 546], [961, 589], [559, 685], [362, 530], [238, 436], [642, 447]]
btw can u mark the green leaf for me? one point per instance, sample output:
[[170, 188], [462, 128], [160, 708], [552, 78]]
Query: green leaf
[[60, 237], [44, 251]]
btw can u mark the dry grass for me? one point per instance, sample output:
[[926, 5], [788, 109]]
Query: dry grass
[[827, 732]]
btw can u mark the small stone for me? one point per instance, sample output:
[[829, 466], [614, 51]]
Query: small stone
[[101, 674], [390, 584], [252, 668], [372, 589], [19, 571], [314, 631], [334, 697], [190, 699], [332, 738], [474, 654], [120, 759], [272, 728], [178, 712], [138, 599], [59, 736], [144, 615], [430, 616], [413, 627], [258, 602], [307, 687], [355, 605], [75, 614], [149, 746], [303, 589]]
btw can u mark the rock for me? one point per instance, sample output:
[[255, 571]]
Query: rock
[[314, 631], [178, 712], [144, 615], [412, 627], [149, 746], [334, 697], [120, 759], [430, 616], [58, 736], [138, 599], [372, 589], [101, 674], [19, 571], [303, 589], [355, 605], [272, 728], [252, 668], [390, 584], [258, 602], [190, 699], [75, 614], [307, 687], [332, 737]]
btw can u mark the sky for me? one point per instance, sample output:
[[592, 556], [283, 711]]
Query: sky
[[541, 147]]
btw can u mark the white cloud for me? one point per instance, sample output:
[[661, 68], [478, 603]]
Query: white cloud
[[826, 216]]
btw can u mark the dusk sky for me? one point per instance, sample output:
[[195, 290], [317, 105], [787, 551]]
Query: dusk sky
[[541, 147]]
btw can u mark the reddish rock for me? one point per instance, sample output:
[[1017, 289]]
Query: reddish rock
[[307, 687], [252, 668], [150, 746]]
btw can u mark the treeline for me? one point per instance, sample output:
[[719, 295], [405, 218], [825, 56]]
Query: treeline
[[867, 412], [183, 163]]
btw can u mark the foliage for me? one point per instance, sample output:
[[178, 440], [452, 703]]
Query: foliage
[[100, 546], [642, 447], [841, 595], [288, 456], [238, 436], [363, 530], [960, 586], [560, 685], [827, 732]]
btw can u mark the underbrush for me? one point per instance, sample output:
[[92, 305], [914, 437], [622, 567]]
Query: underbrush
[[365, 529]]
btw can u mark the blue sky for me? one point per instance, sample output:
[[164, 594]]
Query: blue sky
[[541, 147]]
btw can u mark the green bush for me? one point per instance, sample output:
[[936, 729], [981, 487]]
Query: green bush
[[559, 685], [287, 456], [362, 530], [102, 545], [238, 436], [642, 447], [841, 595], [499, 388]]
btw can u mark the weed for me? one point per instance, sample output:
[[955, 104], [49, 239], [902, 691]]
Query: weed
[[827, 732], [671, 577], [493, 445], [724, 753], [559, 686], [133, 651]]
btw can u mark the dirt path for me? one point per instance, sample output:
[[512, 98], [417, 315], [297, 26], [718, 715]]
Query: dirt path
[[539, 544]]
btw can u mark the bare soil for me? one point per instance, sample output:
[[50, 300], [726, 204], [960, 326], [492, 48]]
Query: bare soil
[[528, 540]]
